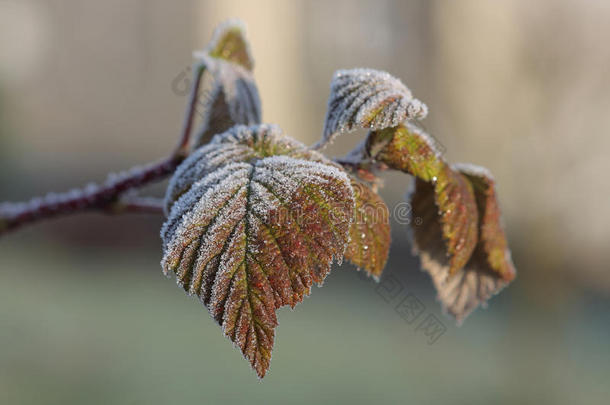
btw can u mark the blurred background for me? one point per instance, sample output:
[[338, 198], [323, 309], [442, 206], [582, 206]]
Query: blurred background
[[520, 87]]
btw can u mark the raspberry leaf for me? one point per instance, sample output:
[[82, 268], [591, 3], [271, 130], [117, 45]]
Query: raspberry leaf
[[367, 98], [408, 149], [370, 237], [229, 43], [253, 227], [229, 94], [490, 267], [492, 237]]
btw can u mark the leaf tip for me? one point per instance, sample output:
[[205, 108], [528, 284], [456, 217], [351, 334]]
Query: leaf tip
[[229, 43], [368, 98]]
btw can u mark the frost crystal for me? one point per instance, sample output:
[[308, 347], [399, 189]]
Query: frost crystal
[[473, 170], [367, 98], [239, 144], [255, 219]]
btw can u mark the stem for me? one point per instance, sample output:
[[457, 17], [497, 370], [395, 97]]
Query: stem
[[92, 197], [106, 197]]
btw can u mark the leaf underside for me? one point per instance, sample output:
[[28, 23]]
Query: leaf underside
[[473, 284], [367, 98], [408, 149], [455, 220], [228, 94], [251, 227], [370, 237], [492, 237]]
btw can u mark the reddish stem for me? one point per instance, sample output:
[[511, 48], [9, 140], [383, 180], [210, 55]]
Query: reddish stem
[[93, 197]]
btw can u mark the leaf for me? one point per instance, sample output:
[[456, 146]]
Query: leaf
[[229, 95], [239, 144], [229, 43], [367, 98], [408, 149], [455, 219], [490, 267], [370, 231], [492, 237], [251, 226]]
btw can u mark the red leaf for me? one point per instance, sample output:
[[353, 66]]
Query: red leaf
[[370, 232], [251, 227]]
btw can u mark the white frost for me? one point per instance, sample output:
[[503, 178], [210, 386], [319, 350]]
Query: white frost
[[359, 94], [473, 170]]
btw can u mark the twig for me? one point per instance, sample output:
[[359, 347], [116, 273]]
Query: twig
[[91, 197], [106, 196]]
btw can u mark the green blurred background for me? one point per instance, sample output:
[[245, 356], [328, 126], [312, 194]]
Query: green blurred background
[[520, 87]]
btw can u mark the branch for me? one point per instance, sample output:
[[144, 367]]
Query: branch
[[105, 197], [92, 197]]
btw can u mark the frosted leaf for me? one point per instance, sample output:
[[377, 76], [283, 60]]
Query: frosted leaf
[[367, 98], [479, 279], [228, 93], [409, 149], [255, 232], [492, 238], [229, 97], [370, 232], [239, 144], [455, 219]]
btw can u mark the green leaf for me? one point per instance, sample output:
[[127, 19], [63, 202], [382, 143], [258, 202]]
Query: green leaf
[[408, 149], [370, 231], [252, 225], [228, 94], [367, 98]]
